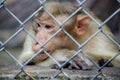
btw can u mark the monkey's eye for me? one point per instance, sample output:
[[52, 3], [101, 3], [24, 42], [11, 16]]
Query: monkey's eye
[[38, 25], [49, 26]]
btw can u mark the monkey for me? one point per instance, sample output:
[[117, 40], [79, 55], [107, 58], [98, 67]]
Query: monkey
[[61, 47]]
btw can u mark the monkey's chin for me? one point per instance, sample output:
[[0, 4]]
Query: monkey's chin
[[42, 56]]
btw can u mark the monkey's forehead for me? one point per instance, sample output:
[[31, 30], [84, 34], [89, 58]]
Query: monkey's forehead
[[45, 18], [60, 18], [58, 8]]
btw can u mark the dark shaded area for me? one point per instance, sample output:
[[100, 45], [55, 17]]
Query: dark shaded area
[[103, 9]]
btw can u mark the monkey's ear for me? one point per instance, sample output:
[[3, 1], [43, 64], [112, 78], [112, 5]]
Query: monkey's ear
[[82, 24]]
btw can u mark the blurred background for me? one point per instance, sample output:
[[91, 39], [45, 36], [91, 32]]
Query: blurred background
[[24, 8]]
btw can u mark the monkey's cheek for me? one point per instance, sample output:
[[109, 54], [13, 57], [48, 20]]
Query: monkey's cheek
[[36, 48]]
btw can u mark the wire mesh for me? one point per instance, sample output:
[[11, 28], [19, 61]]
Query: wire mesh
[[80, 46]]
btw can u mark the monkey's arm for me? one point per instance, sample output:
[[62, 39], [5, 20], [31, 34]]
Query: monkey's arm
[[61, 55], [27, 50]]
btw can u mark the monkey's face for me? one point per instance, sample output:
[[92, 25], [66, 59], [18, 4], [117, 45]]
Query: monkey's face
[[44, 30]]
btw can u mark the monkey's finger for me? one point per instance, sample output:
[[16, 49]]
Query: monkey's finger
[[81, 63], [74, 65]]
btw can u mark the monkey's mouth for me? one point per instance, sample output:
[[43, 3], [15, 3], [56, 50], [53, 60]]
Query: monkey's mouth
[[42, 56]]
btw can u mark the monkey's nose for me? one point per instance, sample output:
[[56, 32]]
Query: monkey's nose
[[36, 43], [36, 46]]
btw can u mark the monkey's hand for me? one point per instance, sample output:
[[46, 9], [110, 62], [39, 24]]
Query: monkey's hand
[[102, 61], [77, 63]]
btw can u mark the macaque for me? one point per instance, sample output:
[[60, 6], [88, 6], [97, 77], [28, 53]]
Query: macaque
[[61, 47]]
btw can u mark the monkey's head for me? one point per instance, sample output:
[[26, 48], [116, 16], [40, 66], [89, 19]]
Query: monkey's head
[[45, 27]]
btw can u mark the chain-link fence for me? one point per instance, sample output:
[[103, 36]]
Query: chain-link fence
[[23, 29]]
